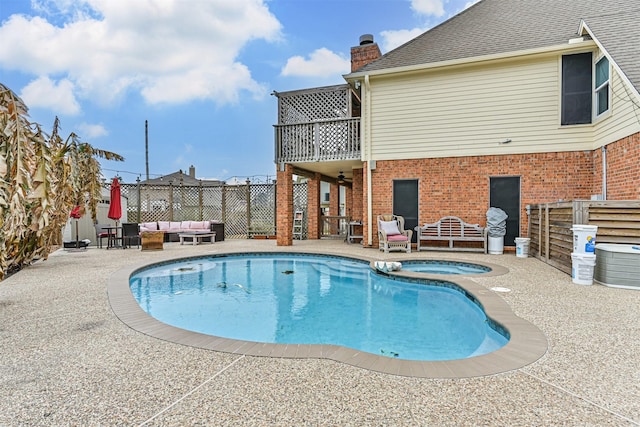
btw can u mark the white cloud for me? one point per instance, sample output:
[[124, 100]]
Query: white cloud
[[428, 7], [321, 63], [469, 4], [88, 131], [170, 51], [45, 93], [392, 39]]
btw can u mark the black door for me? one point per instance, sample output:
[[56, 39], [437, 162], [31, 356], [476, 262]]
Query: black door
[[405, 203], [504, 193]]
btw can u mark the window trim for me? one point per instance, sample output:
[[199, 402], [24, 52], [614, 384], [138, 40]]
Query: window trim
[[597, 89]]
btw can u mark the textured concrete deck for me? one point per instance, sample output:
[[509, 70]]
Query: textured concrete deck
[[66, 358]]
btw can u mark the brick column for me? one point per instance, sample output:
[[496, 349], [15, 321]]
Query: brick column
[[313, 207], [334, 199], [334, 205], [284, 210], [357, 195]]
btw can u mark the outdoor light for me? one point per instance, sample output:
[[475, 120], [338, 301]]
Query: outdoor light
[[341, 178]]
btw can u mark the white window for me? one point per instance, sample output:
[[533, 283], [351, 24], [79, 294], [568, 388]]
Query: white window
[[601, 92]]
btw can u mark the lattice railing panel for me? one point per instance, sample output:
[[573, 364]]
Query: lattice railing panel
[[263, 216], [314, 105], [236, 212], [320, 141], [300, 204]]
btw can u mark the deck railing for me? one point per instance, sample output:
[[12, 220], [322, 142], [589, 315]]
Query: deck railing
[[318, 141]]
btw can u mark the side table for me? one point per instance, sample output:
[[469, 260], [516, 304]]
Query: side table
[[152, 240]]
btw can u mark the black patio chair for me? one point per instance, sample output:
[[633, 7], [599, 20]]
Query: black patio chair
[[130, 234]]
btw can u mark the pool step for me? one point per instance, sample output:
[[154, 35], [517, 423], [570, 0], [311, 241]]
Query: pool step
[[340, 269]]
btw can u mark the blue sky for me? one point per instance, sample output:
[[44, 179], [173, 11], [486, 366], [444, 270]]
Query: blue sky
[[199, 71]]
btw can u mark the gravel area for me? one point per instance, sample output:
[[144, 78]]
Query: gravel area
[[66, 359]]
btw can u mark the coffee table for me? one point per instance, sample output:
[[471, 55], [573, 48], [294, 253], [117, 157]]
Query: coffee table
[[196, 236]]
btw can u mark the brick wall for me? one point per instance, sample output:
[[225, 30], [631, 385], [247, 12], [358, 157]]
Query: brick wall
[[623, 168], [460, 186]]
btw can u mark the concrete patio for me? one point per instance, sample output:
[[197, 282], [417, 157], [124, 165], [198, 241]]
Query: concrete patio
[[66, 358]]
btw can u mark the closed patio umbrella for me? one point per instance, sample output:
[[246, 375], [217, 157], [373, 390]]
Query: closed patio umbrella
[[115, 208]]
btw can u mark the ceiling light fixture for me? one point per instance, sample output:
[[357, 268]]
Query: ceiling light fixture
[[341, 178]]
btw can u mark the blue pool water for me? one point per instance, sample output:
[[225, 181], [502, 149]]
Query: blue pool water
[[444, 267], [309, 299]]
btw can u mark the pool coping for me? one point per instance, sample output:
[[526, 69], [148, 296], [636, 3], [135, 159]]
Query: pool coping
[[526, 345]]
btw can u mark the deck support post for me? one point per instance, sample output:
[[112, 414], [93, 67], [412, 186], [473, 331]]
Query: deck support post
[[284, 195]]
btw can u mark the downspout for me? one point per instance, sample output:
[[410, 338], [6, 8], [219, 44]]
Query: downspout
[[604, 172], [367, 136]]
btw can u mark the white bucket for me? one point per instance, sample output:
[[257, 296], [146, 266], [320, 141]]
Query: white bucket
[[496, 245], [522, 247], [582, 266], [584, 238]]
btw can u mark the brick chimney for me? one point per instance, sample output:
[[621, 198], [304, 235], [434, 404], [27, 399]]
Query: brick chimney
[[366, 52], [192, 171]]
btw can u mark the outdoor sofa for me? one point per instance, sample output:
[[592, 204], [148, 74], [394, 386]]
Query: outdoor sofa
[[173, 228]]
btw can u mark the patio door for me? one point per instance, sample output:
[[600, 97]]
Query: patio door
[[405, 202], [504, 193]]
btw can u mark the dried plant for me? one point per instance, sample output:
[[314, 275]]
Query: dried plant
[[43, 178]]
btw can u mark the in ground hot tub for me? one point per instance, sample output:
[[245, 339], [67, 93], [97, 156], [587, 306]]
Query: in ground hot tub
[[618, 266]]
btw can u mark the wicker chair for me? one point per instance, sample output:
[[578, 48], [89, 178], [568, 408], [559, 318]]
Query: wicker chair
[[391, 234]]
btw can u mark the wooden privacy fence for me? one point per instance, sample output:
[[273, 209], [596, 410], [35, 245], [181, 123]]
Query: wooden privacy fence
[[550, 227]]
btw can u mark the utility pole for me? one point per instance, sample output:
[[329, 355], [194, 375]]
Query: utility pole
[[146, 146]]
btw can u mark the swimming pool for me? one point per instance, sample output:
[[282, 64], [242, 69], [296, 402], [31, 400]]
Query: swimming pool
[[315, 299], [437, 266]]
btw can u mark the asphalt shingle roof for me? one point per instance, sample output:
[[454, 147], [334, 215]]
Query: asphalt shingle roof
[[620, 36], [500, 26]]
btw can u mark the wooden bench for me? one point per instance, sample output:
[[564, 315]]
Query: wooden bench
[[452, 229]]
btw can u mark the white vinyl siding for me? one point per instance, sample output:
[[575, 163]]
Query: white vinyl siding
[[624, 114], [468, 111]]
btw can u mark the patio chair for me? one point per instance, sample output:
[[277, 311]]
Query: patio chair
[[101, 233], [130, 234], [391, 234]]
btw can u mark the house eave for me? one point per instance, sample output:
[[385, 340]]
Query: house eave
[[585, 44]]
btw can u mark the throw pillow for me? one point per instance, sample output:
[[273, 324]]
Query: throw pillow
[[390, 227]]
